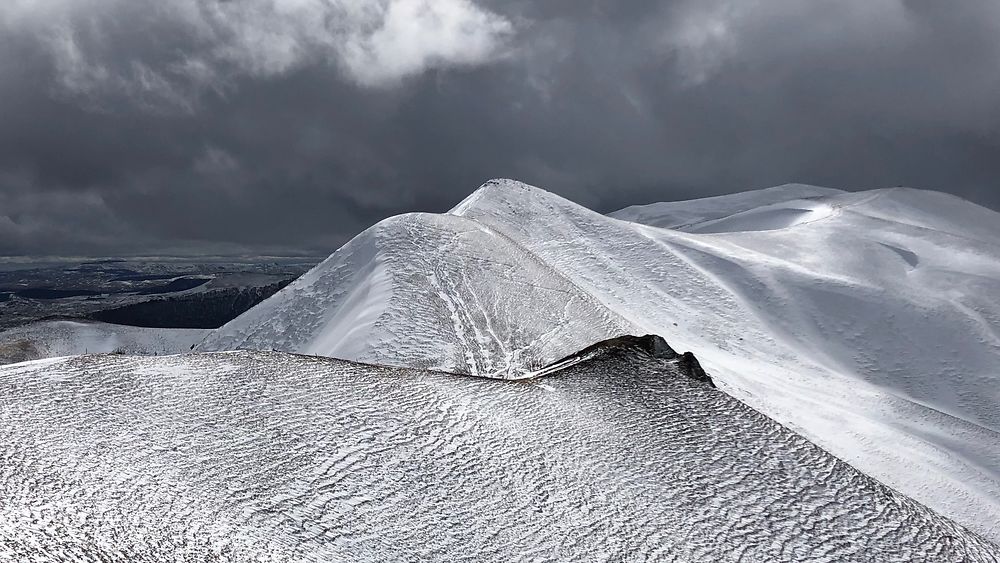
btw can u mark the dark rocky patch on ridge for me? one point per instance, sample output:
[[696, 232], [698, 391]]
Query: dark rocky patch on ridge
[[691, 367], [650, 345]]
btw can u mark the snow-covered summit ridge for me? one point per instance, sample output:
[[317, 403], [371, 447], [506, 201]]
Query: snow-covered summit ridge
[[430, 291], [866, 321], [736, 212], [680, 214]]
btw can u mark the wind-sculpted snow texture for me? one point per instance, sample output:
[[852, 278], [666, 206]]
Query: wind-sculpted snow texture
[[264, 456], [865, 321]]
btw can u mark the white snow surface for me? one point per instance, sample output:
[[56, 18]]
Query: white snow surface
[[429, 291], [684, 215], [868, 322], [264, 456], [47, 339]]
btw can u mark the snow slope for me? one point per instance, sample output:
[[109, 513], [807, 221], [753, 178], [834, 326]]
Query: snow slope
[[865, 321], [261, 456], [429, 291], [46, 339], [684, 215]]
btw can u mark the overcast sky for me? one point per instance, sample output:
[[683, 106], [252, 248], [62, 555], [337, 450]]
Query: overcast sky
[[285, 126]]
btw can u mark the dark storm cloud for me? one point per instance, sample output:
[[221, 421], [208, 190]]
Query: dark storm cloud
[[290, 125]]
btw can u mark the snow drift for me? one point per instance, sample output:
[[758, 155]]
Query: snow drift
[[865, 321]]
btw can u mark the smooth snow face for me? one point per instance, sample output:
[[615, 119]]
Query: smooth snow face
[[47, 339], [767, 218], [865, 321], [269, 457], [686, 215], [429, 291], [908, 307]]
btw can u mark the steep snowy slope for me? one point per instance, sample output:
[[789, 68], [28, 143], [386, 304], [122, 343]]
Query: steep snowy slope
[[46, 339], [866, 322], [428, 291], [259, 456]]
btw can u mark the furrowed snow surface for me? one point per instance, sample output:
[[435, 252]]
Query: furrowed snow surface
[[867, 322], [265, 456]]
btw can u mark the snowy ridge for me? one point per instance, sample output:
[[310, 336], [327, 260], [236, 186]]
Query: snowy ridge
[[262, 456], [428, 291], [687, 215], [865, 321]]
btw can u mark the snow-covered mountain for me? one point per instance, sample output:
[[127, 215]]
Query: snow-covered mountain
[[865, 321], [262, 456], [684, 215], [429, 291]]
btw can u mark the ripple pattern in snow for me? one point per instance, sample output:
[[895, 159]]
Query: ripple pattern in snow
[[262, 456]]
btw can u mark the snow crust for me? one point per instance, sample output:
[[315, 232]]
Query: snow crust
[[261, 456], [867, 321]]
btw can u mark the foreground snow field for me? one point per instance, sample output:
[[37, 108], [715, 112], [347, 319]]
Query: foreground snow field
[[867, 322], [264, 456]]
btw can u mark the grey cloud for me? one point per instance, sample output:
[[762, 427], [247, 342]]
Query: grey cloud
[[63, 220], [266, 130], [164, 55]]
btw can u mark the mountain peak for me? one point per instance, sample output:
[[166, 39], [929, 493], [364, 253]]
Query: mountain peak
[[498, 189], [850, 316]]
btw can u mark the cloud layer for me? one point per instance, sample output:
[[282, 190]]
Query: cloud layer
[[163, 55], [131, 125]]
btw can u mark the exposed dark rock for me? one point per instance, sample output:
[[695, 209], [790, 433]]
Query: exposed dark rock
[[692, 368], [650, 345]]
